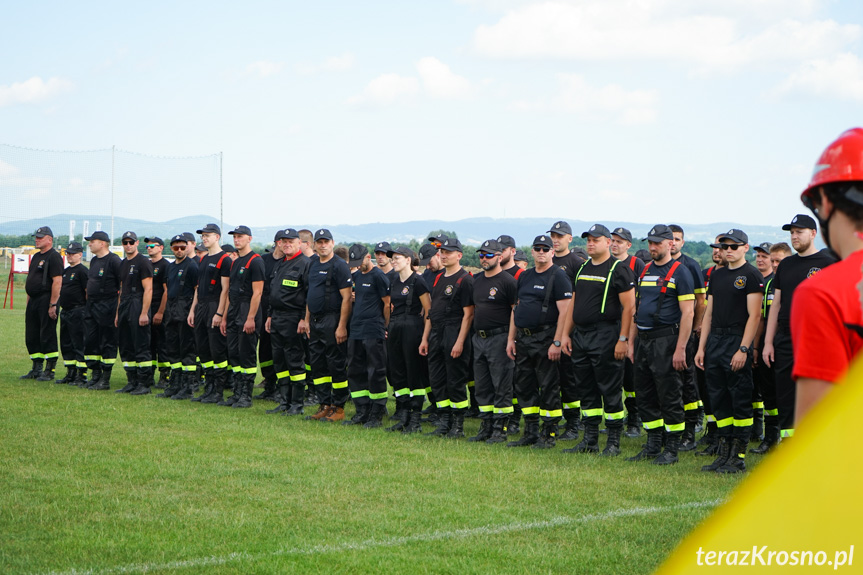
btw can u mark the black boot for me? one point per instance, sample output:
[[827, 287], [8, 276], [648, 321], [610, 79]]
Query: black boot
[[312, 399], [284, 399], [271, 391], [456, 427], [209, 386], [295, 406], [71, 370], [687, 440], [498, 430], [376, 416], [442, 423], [723, 452], [570, 431], [104, 381], [633, 429], [131, 381], [95, 376], [413, 424], [186, 388], [709, 441], [531, 432], [699, 420], [35, 370], [512, 426], [612, 445], [80, 377], [669, 454], [361, 416], [164, 378], [547, 435], [757, 433], [245, 387], [590, 443], [484, 433], [653, 447], [401, 415], [48, 374], [219, 377], [736, 462], [233, 377], [145, 380], [771, 438], [172, 384]]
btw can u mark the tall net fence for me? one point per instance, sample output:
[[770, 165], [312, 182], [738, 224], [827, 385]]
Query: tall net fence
[[111, 189]]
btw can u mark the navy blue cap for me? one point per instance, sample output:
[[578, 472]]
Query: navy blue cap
[[560, 227], [98, 235], [323, 234], [383, 247], [596, 231], [210, 229], [42, 232], [622, 233], [74, 248], [357, 254], [491, 247], [506, 241], [427, 252], [659, 232], [154, 240], [240, 231], [451, 245]]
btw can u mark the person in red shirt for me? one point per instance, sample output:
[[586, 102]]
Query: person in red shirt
[[826, 317]]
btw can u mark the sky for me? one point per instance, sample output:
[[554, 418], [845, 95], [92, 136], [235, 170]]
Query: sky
[[362, 112]]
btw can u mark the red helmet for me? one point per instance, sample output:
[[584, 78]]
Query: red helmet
[[842, 161]]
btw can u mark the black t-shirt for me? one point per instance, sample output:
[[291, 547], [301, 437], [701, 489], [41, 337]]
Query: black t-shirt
[[103, 279], [391, 276], [270, 264], [532, 288], [694, 270], [569, 264], [514, 271], [211, 270], [635, 264], [181, 278], [729, 289], [678, 287], [450, 295], [160, 269], [589, 291], [320, 299], [43, 269], [401, 291], [244, 272], [493, 298], [367, 318], [289, 284], [706, 273], [429, 276], [132, 273], [73, 292], [790, 273]]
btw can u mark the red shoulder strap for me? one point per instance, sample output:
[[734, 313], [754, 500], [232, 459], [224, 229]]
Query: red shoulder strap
[[219, 266], [436, 278], [518, 273], [644, 271], [248, 263], [632, 263], [670, 273]]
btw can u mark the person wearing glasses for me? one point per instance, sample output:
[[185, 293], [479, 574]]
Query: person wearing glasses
[[734, 299], [100, 332], [133, 317], [181, 278], [72, 304], [271, 258], [40, 318], [507, 264], [535, 331], [155, 246], [778, 343]]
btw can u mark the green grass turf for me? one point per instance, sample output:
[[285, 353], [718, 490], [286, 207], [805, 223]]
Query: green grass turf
[[103, 483]]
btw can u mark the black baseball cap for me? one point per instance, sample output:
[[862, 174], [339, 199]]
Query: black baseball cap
[[74, 248], [659, 232], [210, 229], [228, 248], [543, 241], [560, 227], [596, 231], [451, 245], [154, 240], [42, 232], [491, 247], [735, 235], [427, 252], [200, 248], [440, 238], [98, 235], [383, 247], [622, 233], [240, 231], [403, 250], [506, 241], [323, 234], [179, 238], [130, 236], [801, 221], [188, 236], [763, 247], [357, 254], [287, 234], [519, 256]]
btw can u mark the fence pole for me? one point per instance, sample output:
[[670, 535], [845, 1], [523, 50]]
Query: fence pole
[[113, 148], [221, 196]]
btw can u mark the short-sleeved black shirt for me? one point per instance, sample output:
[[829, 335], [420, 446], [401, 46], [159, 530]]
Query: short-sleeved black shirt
[[790, 273], [635, 264], [429, 276], [160, 270], [444, 309], [319, 299], [289, 284], [211, 270], [392, 275], [678, 287], [729, 288], [493, 298], [132, 273], [73, 292], [181, 278], [589, 291], [367, 318], [532, 287], [694, 270], [400, 291], [103, 279], [270, 264], [43, 269], [513, 271], [569, 264], [244, 272]]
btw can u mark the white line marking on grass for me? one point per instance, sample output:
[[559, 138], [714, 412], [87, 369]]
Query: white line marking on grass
[[385, 542]]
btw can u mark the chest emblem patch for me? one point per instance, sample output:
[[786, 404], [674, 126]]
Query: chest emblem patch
[[492, 292], [812, 272], [405, 290], [448, 290], [740, 282]]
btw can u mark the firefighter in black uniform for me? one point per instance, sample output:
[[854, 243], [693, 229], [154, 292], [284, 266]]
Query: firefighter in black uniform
[[100, 332], [621, 241], [494, 295], [730, 323], [243, 319], [73, 299], [535, 332], [133, 317], [286, 323], [507, 264], [40, 320], [155, 246], [599, 319], [663, 323], [181, 278], [208, 312], [265, 345]]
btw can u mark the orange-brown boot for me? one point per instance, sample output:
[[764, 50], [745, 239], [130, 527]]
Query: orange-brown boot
[[335, 414], [323, 411]]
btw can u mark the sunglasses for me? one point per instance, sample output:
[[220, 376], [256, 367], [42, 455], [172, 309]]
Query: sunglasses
[[485, 256], [542, 249], [175, 248], [152, 245], [128, 243], [732, 247]]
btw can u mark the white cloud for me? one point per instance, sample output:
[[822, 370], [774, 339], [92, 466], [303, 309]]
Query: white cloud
[[386, 89], [331, 64], [440, 82], [264, 68], [33, 90], [840, 77], [7, 170]]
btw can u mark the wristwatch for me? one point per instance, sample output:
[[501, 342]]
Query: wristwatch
[[744, 349], [556, 343], [623, 338]]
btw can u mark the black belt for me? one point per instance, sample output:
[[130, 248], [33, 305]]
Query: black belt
[[726, 331], [405, 316], [657, 332], [316, 317], [535, 330], [487, 333], [594, 326]]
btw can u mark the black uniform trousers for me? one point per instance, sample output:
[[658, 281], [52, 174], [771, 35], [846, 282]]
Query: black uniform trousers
[[287, 349], [786, 388], [367, 371], [133, 339], [100, 334], [448, 376], [40, 331], [658, 386], [568, 391], [629, 396], [691, 396], [730, 391], [211, 345], [408, 370], [72, 336], [493, 371], [179, 336], [764, 379], [537, 378], [598, 375], [158, 343], [328, 360], [242, 346]]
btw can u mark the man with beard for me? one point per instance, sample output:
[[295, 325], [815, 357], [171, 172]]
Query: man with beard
[[133, 317]]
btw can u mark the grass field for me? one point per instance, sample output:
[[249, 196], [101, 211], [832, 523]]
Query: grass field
[[95, 482]]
